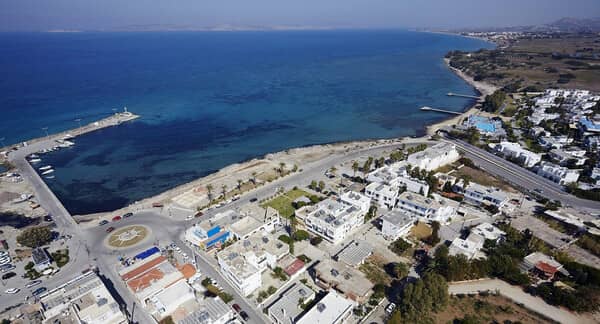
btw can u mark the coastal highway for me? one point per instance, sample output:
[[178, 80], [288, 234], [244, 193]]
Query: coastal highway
[[521, 177]]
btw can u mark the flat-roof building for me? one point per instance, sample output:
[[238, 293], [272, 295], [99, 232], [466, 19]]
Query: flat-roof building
[[244, 261], [211, 311], [396, 224], [332, 309], [481, 195], [425, 208], [333, 220], [286, 310], [434, 157], [557, 173], [343, 278], [83, 299], [515, 151]]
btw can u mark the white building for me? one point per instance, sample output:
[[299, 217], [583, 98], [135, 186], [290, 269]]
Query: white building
[[426, 209], [382, 194], [286, 309], [244, 261], [332, 309], [211, 311], [566, 156], [412, 184], [558, 174], [255, 219], [478, 194], [489, 232], [360, 201], [434, 157], [555, 142], [170, 298], [514, 150], [333, 220], [469, 247], [396, 224], [83, 299]]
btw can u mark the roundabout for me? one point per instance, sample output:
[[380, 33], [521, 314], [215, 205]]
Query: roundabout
[[127, 236]]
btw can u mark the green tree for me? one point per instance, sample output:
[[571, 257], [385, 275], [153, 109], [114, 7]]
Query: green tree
[[281, 168], [239, 184], [224, 191], [400, 270], [35, 236], [253, 179], [355, 167], [321, 186]]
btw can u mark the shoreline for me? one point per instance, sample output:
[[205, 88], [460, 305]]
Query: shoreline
[[483, 88]]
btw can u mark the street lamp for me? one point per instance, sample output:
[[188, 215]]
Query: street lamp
[[45, 129], [78, 120]]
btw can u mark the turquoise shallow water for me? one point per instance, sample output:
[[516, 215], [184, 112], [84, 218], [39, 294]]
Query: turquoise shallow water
[[211, 99]]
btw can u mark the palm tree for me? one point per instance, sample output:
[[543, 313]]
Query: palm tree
[[253, 178], [224, 190], [209, 188], [239, 184], [281, 168], [355, 167]]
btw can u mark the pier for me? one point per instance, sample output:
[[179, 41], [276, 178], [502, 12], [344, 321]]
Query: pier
[[452, 94], [50, 140], [426, 108]]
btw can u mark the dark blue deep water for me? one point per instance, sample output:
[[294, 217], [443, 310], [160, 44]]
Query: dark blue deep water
[[211, 99]]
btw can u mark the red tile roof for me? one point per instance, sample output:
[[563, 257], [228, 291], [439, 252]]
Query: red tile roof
[[144, 281], [546, 268], [143, 268], [187, 270]]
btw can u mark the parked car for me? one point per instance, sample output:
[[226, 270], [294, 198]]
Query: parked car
[[110, 229], [244, 315], [116, 218], [12, 290], [5, 260], [48, 218], [39, 291], [103, 222], [127, 215], [390, 308], [8, 275], [157, 205], [237, 308], [9, 268], [33, 283], [5, 266], [199, 214], [253, 199]]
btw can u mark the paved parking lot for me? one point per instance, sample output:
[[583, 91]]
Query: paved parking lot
[[541, 230]]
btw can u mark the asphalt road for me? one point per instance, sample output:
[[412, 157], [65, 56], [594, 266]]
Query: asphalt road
[[522, 178]]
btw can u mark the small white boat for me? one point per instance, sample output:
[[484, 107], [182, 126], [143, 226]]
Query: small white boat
[[34, 156], [46, 167], [35, 160], [47, 172], [49, 177]]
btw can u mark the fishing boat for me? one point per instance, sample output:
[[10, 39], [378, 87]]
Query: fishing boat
[[34, 156], [44, 168], [35, 160], [47, 172], [49, 177]]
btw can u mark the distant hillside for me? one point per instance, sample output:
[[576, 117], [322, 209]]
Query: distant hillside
[[563, 25], [576, 25]]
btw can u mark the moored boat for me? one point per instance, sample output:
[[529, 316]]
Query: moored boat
[[35, 160], [47, 172], [46, 167]]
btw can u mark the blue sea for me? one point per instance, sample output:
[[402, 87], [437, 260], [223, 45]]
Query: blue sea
[[208, 99]]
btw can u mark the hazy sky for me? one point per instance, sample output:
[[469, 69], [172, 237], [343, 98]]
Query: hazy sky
[[113, 14]]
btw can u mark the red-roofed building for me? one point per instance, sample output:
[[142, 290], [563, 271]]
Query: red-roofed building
[[545, 270]]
